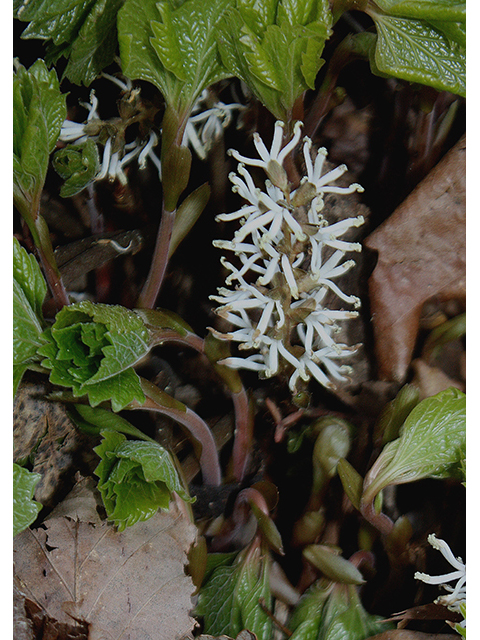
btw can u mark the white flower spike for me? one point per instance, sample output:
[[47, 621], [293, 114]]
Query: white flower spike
[[458, 593], [281, 314]]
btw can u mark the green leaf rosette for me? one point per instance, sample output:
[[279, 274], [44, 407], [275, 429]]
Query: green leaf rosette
[[92, 349], [136, 478]]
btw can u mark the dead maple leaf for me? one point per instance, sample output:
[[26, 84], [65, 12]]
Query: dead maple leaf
[[421, 255], [125, 586]]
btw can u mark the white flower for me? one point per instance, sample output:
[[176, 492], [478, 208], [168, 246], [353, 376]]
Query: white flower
[[458, 593], [206, 125], [282, 313], [113, 162]]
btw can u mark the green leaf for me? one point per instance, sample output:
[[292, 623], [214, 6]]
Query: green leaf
[[172, 46], [431, 445], [305, 621], [351, 621], [396, 412], [92, 349], [455, 32], [84, 31], [27, 273], [29, 291], [352, 481], [332, 565], [25, 510], [38, 114], [278, 53], [136, 478], [77, 165], [425, 9], [333, 612], [229, 599], [94, 420], [414, 50]]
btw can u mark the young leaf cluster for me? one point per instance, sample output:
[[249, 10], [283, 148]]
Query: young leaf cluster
[[92, 348], [83, 31], [136, 478], [330, 611], [242, 581], [278, 53], [172, 45]]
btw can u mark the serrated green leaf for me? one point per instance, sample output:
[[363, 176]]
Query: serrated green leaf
[[27, 273], [84, 31], [415, 51], [38, 113], [333, 612], [172, 46], [431, 444], [354, 622], [425, 9], [278, 53], [136, 478], [25, 510], [29, 291], [92, 349], [77, 165], [305, 620], [229, 600]]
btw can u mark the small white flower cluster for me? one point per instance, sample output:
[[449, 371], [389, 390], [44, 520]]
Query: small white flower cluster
[[282, 241], [203, 127], [458, 594], [113, 162], [206, 125]]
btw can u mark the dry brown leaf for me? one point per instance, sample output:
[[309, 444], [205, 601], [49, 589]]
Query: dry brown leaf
[[129, 586], [421, 254]]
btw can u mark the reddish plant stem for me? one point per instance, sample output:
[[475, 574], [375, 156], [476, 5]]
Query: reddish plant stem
[[172, 337], [243, 434], [54, 280], [380, 521], [151, 289]]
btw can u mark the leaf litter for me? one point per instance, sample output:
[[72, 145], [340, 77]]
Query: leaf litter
[[421, 255], [124, 586]]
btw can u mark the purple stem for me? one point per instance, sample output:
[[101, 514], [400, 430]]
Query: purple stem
[[243, 434], [209, 462], [150, 291]]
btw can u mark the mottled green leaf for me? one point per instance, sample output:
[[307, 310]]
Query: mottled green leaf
[[84, 31], [431, 444], [92, 349], [77, 165], [426, 9], [456, 32], [172, 46], [414, 50], [136, 478], [25, 510]]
